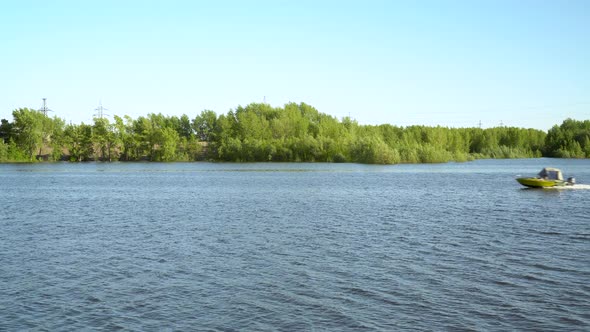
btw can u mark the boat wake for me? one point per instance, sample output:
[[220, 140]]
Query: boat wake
[[576, 186]]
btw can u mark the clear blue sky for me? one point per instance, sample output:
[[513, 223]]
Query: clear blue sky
[[450, 63]]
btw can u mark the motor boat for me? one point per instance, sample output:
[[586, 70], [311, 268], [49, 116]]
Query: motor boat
[[547, 177]]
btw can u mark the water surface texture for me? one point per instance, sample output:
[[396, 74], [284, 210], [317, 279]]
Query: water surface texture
[[224, 247]]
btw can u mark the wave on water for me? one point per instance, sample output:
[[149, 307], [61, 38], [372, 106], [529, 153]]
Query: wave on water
[[218, 246]]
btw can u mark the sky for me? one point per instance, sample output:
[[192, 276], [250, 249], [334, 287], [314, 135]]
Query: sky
[[451, 63]]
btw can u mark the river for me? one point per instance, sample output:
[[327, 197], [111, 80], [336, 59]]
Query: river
[[293, 246]]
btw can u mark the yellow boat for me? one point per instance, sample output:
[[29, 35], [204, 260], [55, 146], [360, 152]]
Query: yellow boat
[[548, 177]]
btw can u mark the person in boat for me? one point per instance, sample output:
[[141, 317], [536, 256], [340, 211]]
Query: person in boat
[[543, 174], [550, 174]]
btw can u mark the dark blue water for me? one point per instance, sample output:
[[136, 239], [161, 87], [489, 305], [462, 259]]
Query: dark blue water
[[225, 247]]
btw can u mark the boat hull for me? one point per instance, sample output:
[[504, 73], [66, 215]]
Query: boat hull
[[540, 183]]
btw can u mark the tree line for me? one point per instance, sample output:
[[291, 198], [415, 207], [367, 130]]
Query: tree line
[[260, 132]]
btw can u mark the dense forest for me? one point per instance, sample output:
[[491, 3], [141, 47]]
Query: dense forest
[[260, 132]]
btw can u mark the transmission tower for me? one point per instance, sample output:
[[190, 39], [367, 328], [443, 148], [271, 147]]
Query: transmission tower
[[44, 108], [100, 111]]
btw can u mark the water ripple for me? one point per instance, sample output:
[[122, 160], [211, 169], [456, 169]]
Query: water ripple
[[290, 247]]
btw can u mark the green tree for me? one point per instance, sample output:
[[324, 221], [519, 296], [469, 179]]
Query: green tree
[[204, 125], [295, 132], [168, 141], [103, 138], [54, 137], [5, 131], [28, 130], [185, 127], [78, 142]]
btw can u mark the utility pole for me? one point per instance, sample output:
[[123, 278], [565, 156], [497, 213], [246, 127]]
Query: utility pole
[[100, 111], [44, 108]]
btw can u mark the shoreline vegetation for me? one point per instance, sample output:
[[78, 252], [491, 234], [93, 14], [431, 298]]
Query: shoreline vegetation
[[259, 132]]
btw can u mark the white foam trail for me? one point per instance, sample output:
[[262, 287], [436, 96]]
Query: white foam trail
[[575, 186]]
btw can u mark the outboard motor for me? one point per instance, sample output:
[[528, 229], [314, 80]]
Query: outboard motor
[[571, 181]]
